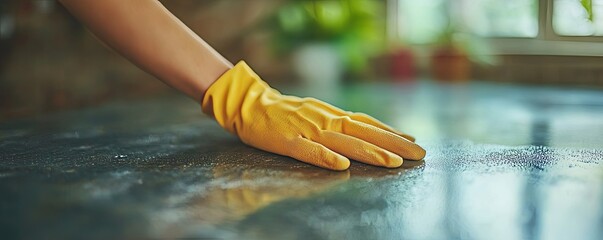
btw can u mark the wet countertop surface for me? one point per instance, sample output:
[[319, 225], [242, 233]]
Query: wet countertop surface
[[503, 162]]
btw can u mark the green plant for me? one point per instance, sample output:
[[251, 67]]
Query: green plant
[[354, 27], [588, 7], [475, 47]]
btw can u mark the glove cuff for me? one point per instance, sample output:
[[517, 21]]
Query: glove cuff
[[225, 98]]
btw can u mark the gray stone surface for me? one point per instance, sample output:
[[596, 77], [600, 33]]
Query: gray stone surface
[[503, 162]]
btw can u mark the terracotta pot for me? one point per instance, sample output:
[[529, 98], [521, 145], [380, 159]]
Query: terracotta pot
[[450, 64]]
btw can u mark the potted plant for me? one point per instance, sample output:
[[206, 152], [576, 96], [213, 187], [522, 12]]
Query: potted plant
[[328, 38], [455, 53]]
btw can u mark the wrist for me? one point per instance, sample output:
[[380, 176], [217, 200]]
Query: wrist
[[227, 97]]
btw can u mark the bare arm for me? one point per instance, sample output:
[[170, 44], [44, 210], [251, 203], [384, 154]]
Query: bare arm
[[150, 36]]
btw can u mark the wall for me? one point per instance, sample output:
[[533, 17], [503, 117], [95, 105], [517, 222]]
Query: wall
[[50, 62]]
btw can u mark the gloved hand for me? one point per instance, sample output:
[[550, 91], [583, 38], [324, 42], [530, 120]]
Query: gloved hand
[[306, 129]]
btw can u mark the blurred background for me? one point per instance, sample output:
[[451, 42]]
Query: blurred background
[[50, 62]]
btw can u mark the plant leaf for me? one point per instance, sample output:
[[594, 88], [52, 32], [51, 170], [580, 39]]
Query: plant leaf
[[588, 6]]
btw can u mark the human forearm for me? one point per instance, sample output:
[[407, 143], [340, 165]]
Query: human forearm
[[151, 37]]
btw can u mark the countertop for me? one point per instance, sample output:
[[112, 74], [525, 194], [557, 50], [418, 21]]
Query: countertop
[[503, 162]]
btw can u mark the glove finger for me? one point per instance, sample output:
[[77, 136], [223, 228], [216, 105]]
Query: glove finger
[[359, 150], [325, 106], [361, 117], [316, 154], [381, 138]]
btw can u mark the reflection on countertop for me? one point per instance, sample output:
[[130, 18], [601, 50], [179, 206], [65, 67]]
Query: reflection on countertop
[[504, 162]]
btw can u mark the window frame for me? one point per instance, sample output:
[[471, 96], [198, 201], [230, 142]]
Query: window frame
[[547, 41], [546, 9]]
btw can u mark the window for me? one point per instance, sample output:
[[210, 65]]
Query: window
[[421, 22], [495, 18], [424, 21], [541, 27], [570, 18]]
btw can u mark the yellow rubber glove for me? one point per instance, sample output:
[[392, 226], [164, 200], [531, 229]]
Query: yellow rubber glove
[[306, 129]]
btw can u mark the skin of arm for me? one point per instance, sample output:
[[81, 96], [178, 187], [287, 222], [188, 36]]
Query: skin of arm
[[151, 37]]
